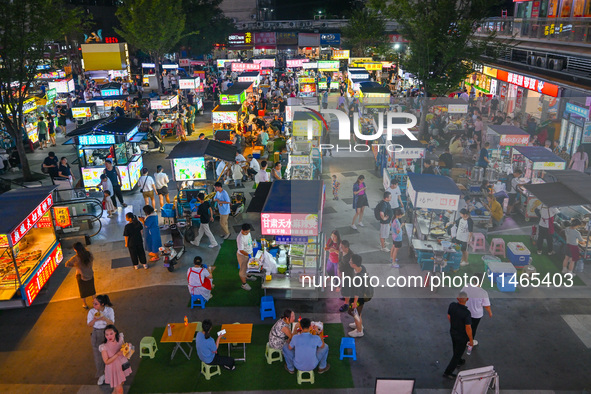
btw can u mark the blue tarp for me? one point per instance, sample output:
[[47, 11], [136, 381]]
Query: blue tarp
[[538, 154], [20, 203], [433, 184], [294, 197]]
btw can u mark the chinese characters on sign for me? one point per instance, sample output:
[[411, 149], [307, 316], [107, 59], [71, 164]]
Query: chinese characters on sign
[[294, 63], [241, 67], [45, 221], [528, 83], [289, 240], [96, 140], [410, 153], [62, 216], [514, 140], [289, 224], [437, 201], [20, 230], [40, 278]]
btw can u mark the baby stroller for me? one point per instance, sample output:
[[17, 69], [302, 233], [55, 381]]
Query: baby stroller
[[174, 249]]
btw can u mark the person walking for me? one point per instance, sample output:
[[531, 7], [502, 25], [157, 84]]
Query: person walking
[[346, 272], [396, 237], [361, 295], [580, 160], [51, 129], [460, 331], [42, 132], [50, 165], [223, 200], [207, 348], [61, 119], [82, 261], [245, 248], [573, 237], [546, 229], [205, 214], [161, 180], [152, 239], [384, 214], [478, 301], [333, 245], [464, 231], [134, 240], [147, 187], [114, 176], [359, 201], [99, 316], [117, 366]]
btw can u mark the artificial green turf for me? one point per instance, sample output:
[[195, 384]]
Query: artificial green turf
[[162, 375], [544, 264], [227, 290]]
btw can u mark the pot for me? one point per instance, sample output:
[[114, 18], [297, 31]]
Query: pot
[[477, 174], [492, 175]]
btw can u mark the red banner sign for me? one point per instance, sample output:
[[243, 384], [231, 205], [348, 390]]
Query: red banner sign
[[514, 140], [294, 63], [241, 67], [42, 275], [30, 221], [62, 216], [528, 83], [45, 221]]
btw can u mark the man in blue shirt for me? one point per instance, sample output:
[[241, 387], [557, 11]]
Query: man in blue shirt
[[223, 200], [305, 351], [483, 158], [207, 348]]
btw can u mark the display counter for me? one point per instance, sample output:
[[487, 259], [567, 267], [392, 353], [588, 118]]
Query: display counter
[[29, 250], [306, 87], [104, 105]]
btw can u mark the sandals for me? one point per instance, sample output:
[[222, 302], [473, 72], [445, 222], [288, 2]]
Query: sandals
[[154, 259]]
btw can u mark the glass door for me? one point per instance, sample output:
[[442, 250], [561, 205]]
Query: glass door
[[570, 137], [563, 131]]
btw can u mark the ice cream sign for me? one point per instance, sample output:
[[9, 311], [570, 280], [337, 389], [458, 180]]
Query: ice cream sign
[[289, 224]]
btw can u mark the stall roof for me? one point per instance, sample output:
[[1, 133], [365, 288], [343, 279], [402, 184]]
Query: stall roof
[[576, 181], [21, 202], [250, 74], [373, 87], [238, 88], [407, 142], [201, 148], [110, 85], [507, 130], [109, 125], [556, 194], [294, 197], [228, 108], [538, 154], [433, 184], [107, 98], [260, 196]]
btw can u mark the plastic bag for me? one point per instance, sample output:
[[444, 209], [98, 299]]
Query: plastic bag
[[269, 263]]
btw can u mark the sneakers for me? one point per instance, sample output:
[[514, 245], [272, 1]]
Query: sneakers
[[354, 227], [252, 278], [352, 325], [194, 243], [136, 267], [343, 308], [385, 249], [463, 263], [356, 334], [539, 252], [101, 380], [395, 265], [226, 236], [323, 370], [246, 287], [213, 246], [564, 270], [233, 367], [361, 224], [288, 370]]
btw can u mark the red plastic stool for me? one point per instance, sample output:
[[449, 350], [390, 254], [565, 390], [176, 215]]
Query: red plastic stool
[[497, 247]]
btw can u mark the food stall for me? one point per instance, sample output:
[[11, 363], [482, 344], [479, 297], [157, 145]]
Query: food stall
[[63, 88], [149, 77], [111, 89], [105, 105], [354, 77], [253, 77], [189, 162], [303, 145], [165, 106], [236, 94], [85, 112], [114, 138], [533, 161], [373, 95], [29, 249], [502, 138], [292, 217], [226, 117], [300, 167], [306, 87]]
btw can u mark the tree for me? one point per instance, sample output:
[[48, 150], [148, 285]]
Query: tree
[[152, 26], [365, 33], [442, 45], [206, 17], [26, 27]]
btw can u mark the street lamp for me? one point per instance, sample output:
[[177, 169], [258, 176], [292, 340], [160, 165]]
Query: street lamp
[[396, 46]]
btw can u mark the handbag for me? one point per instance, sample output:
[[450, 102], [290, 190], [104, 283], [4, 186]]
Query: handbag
[[125, 366], [551, 225]]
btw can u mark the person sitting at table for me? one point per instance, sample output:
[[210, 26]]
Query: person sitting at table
[[305, 351], [199, 279], [234, 207], [281, 332], [207, 348]]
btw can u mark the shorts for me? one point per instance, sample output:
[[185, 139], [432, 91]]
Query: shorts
[[149, 194], [572, 251], [512, 198], [463, 245], [163, 191], [42, 137], [384, 230], [397, 244]]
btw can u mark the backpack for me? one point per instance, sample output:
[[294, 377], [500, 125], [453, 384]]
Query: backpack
[[377, 210]]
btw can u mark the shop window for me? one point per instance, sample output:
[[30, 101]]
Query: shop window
[[543, 10], [587, 12], [553, 8], [566, 8], [578, 8]]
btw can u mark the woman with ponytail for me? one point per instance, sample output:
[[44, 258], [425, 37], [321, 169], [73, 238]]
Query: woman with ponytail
[[134, 241]]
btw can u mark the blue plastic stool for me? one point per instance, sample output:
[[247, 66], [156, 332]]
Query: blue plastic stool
[[348, 343], [267, 307], [197, 300]]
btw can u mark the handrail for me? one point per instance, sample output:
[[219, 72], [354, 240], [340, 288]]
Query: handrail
[[574, 30], [87, 199]]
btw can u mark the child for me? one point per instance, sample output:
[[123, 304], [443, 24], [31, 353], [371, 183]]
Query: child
[[335, 187], [433, 144], [108, 203], [573, 236], [237, 174], [396, 237]]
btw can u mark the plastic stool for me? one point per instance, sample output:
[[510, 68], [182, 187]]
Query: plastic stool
[[206, 370], [301, 378], [348, 343], [267, 307], [270, 352], [197, 300], [149, 344], [497, 247], [478, 242]]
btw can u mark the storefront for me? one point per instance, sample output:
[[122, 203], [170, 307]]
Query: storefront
[[240, 43], [29, 249], [309, 45], [114, 138], [575, 128], [265, 44], [306, 87], [84, 112]]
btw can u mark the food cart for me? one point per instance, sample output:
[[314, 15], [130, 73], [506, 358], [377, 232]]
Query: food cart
[[292, 216], [165, 106], [111, 89], [63, 88], [253, 77], [29, 249], [502, 138], [300, 167], [226, 117], [306, 87], [434, 200], [373, 95], [533, 161], [354, 77], [302, 145], [84, 112], [115, 138], [236, 94], [189, 162], [105, 105]]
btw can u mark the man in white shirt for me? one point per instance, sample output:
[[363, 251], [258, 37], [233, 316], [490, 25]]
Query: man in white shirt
[[245, 248], [161, 180], [255, 168], [394, 190], [465, 228], [147, 187], [477, 302], [262, 175], [546, 229]]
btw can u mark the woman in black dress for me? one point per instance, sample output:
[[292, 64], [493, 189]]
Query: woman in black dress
[[134, 241]]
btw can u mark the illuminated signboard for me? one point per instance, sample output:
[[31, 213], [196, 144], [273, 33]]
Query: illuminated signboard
[[224, 117], [328, 65], [374, 66], [221, 63], [342, 54], [29, 105], [310, 65], [514, 140], [63, 86], [226, 99], [96, 140], [294, 63], [111, 40], [148, 65], [265, 63], [289, 224], [241, 67], [19, 232], [306, 80], [62, 216], [51, 75], [45, 221], [40, 278], [187, 84], [91, 176], [528, 83], [238, 39], [110, 92], [51, 95], [164, 104], [81, 112], [170, 66]]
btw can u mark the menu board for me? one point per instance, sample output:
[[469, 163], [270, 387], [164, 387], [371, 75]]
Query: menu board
[[224, 117], [91, 176], [81, 112], [189, 169], [44, 271]]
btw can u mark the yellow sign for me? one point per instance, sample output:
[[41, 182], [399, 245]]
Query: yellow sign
[[373, 66], [342, 54], [306, 80], [491, 72], [81, 112], [361, 59], [62, 216]]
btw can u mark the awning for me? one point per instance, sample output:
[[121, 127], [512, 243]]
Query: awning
[[260, 197], [433, 192], [556, 194], [69, 142], [109, 125], [21, 202], [138, 137], [539, 154], [507, 130], [201, 148], [576, 181], [227, 108], [294, 197]]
